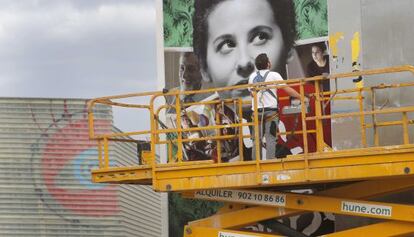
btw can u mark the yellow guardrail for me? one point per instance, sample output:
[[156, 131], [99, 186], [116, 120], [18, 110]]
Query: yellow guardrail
[[169, 136]]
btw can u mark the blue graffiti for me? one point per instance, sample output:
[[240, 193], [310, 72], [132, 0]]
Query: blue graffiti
[[83, 163]]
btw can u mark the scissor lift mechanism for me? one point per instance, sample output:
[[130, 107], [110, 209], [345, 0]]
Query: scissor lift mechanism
[[247, 187]]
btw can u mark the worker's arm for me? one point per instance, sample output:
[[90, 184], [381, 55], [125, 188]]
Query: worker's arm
[[291, 92]]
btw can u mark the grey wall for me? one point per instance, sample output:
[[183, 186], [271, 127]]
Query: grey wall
[[344, 17], [387, 33], [386, 40]]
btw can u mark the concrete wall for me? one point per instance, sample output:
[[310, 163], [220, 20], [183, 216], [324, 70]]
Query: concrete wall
[[384, 32], [344, 20], [386, 36], [387, 40]]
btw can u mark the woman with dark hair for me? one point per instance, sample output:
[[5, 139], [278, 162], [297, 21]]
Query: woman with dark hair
[[319, 64], [229, 34]]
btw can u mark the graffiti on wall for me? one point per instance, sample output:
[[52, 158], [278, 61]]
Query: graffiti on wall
[[66, 156]]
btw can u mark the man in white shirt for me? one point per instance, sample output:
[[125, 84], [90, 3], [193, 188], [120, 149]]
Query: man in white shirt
[[267, 104]]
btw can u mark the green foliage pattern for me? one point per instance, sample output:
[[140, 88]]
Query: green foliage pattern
[[178, 25], [181, 211], [311, 20]]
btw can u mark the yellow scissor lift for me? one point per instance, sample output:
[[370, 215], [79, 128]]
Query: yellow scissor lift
[[258, 190]]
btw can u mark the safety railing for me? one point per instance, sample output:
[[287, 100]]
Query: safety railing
[[104, 140], [206, 127]]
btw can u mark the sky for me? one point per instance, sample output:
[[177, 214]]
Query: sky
[[78, 49]]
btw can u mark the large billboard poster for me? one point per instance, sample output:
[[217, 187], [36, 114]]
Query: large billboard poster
[[213, 43], [311, 19]]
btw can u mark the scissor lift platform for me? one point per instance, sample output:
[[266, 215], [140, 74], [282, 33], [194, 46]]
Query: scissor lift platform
[[124, 175], [248, 186], [361, 164]]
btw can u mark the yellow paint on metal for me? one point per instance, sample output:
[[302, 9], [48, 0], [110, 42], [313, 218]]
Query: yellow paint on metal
[[380, 210], [240, 129], [106, 153], [91, 124], [239, 218], [218, 132], [179, 129], [405, 123], [388, 169], [303, 116], [257, 139], [212, 232], [362, 119], [351, 165], [374, 117], [132, 175], [245, 216], [384, 229], [100, 162], [146, 157], [318, 113]]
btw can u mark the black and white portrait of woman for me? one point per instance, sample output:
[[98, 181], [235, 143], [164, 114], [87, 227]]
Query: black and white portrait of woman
[[229, 34]]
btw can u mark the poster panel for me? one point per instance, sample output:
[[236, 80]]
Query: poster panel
[[206, 46], [212, 44], [311, 18]]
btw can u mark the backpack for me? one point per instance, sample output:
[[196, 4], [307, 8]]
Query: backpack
[[259, 78]]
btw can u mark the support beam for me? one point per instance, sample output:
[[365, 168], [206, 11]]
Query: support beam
[[361, 190], [239, 218], [353, 207], [384, 229], [212, 232], [356, 165]]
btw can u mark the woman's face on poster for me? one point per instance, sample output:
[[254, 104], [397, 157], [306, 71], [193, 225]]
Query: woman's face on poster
[[238, 31], [317, 54], [189, 72]]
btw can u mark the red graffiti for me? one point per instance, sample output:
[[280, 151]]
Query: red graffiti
[[68, 156]]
